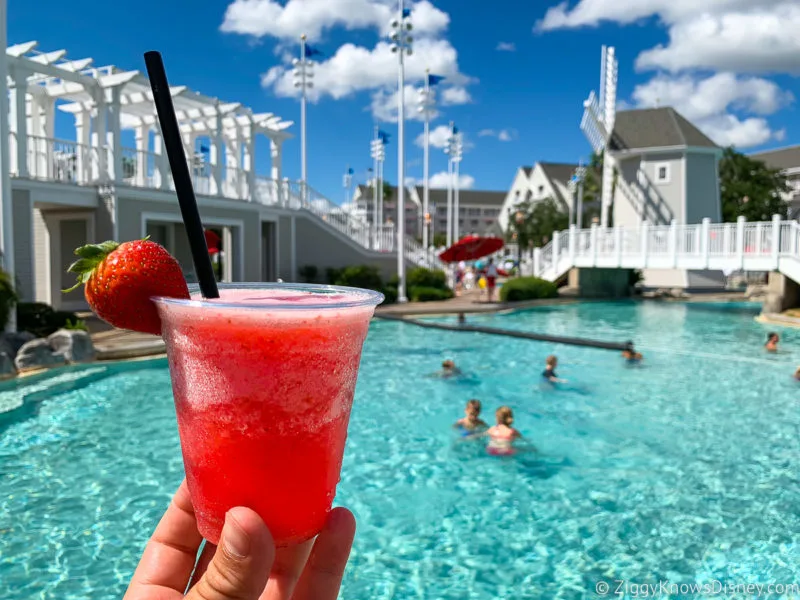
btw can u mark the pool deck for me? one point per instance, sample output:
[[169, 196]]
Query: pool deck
[[118, 344]]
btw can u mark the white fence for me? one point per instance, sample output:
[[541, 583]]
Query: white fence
[[760, 246]]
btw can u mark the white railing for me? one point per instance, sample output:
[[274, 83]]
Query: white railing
[[60, 160], [740, 246]]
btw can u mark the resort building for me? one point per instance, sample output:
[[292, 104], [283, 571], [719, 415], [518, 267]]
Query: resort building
[[87, 163], [539, 182], [786, 160], [479, 210]]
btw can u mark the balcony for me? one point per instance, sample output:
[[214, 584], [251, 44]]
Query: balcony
[[64, 161]]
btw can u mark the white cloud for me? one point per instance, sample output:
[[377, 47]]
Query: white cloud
[[455, 95], [384, 105], [504, 135], [437, 137], [439, 181], [740, 35], [261, 18], [506, 47], [708, 101]]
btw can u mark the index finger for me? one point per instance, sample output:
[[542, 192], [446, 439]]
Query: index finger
[[169, 556]]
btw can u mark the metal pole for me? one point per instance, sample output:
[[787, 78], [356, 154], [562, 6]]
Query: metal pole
[[375, 195], [449, 202], [380, 203], [303, 172], [401, 164], [456, 210], [425, 193], [7, 230], [579, 216]]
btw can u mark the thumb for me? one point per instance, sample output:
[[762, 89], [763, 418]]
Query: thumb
[[242, 563]]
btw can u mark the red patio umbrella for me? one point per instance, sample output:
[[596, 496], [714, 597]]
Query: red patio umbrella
[[212, 241], [471, 247]]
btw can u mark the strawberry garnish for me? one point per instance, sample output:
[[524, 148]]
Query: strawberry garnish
[[121, 278]]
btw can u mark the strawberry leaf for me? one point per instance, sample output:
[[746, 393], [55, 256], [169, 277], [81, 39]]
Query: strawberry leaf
[[89, 257]]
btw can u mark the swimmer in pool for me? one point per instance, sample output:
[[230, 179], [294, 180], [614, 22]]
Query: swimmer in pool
[[630, 354], [549, 373], [797, 374], [471, 423], [449, 369], [772, 342], [502, 436]]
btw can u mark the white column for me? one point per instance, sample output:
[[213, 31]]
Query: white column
[[161, 168], [49, 132], [100, 170], [216, 153], [776, 241], [40, 146], [618, 237], [673, 243], [142, 150], [7, 230], [572, 243], [276, 152], [114, 135], [556, 251], [740, 222], [593, 244], [293, 251], [250, 165], [20, 123], [456, 207], [537, 262], [704, 241], [449, 235], [644, 232], [83, 164]]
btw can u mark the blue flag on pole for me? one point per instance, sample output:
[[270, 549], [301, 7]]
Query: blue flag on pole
[[406, 12], [311, 52], [383, 136], [434, 79], [455, 130], [350, 171]]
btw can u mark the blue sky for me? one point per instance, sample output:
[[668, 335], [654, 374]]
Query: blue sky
[[517, 72]]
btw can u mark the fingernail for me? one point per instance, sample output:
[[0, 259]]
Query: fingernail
[[234, 539]]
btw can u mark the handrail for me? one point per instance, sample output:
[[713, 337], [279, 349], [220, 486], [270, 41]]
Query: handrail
[[755, 246]]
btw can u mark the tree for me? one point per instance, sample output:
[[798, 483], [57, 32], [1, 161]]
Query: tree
[[750, 189], [535, 222], [388, 189]]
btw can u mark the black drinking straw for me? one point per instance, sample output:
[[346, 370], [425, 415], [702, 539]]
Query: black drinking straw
[[180, 174]]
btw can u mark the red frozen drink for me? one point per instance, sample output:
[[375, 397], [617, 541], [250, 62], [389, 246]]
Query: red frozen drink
[[263, 380]]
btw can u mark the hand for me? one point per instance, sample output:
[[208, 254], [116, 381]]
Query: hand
[[247, 566]]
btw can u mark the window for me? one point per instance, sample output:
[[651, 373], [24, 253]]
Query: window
[[540, 190], [491, 212], [474, 223], [474, 212], [662, 172]]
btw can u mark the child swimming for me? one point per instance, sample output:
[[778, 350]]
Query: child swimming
[[549, 373], [471, 423], [502, 435], [772, 342], [630, 354]]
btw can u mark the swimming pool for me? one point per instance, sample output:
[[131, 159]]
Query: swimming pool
[[682, 469]]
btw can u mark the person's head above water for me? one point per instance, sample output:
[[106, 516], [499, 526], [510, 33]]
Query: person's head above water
[[628, 346], [448, 365], [473, 408], [551, 361], [504, 416], [773, 337]]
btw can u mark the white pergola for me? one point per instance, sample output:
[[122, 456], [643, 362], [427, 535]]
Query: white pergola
[[106, 100]]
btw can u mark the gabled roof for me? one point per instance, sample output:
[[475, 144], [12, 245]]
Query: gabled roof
[[655, 128], [780, 158], [562, 172], [527, 170]]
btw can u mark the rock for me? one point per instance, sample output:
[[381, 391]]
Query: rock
[[10, 343], [72, 345], [7, 370], [37, 354]]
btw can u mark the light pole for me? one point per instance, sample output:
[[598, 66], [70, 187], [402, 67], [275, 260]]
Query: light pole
[[576, 187], [401, 45], [454, 149], [427, 103], [303, 75], [378, 153], [347, 181]]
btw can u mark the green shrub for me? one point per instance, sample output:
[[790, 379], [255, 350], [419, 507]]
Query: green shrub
[[41, 320], [427, 278], [76, 325], [8, 298], [390, 294], [361, 276], [332, 275], [429, 294], [308, 273], [527, 288]]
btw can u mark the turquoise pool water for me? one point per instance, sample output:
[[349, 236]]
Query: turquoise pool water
[[683, 469]]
